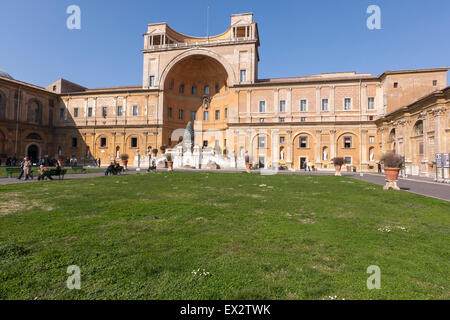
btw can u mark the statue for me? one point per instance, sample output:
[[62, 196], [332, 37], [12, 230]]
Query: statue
[[188, 138]]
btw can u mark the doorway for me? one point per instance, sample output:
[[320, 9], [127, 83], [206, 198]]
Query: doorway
[[33, 153], [302, 163], [261, 161]]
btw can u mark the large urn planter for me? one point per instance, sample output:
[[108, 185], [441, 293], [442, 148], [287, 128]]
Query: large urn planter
[[338, 162], [337, 169], [392, 165], [124, 158], [169, 163]]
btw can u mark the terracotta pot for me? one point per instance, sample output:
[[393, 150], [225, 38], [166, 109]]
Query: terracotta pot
[[248, 165], [337, 167], [391, 173], [125, 162], [170, 165]]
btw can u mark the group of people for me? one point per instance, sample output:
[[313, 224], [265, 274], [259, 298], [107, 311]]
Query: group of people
[[113, 169]]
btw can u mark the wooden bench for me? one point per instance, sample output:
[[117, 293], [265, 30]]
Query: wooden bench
[[54, 173], [13, 170]]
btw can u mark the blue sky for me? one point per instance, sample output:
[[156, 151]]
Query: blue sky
[[297, 37]]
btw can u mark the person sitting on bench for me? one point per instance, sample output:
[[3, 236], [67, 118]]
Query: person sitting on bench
[[44, 173]]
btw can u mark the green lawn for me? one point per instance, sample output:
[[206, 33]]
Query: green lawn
[[259, 237]]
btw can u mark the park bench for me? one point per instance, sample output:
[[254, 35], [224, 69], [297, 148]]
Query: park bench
[[54, 173], [77, 168], [114, 171], [10, 172]]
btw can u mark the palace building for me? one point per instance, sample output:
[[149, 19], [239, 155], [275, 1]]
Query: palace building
[[213, 83]]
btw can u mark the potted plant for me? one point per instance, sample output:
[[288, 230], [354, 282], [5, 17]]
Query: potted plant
[[338, 162], [392, 164], [124, 157], [169, 162]]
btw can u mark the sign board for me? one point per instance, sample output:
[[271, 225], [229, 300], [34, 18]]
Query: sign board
[[439, 160], [446, 160]]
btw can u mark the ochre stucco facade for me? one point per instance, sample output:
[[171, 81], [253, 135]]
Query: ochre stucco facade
[[214, 83]]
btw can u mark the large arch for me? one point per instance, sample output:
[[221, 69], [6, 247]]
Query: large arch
[[193, 52]]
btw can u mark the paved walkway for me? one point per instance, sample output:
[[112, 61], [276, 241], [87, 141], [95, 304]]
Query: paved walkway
[[419, 185]]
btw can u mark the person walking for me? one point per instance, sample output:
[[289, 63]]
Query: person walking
[[27, 168], [309, 166], [22, 163], [379, 167]]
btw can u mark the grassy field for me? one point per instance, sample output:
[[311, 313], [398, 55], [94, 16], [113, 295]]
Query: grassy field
[[3, 173], [256, 237]]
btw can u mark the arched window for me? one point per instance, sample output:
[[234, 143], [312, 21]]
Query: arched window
[[33, 136], [418, 128]]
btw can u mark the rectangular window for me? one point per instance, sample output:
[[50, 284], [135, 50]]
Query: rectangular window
[[206, 116], [134, 142], [217, 88], [193, 114], [152, 81], [348, 160], [347, 103], [282, 139], [226, 113], [217, 115], [181, 88], [347, 142], [180, 114], [282, 105], [171, 85], [395, 84], [434, 83], [303, 142], [135, 111], [303, 106], [194, 90], [421, 148], [281, 119], [206, 89], [261, 141], [51, 102], [75, 112], [89, 112], [371, 139], [302, 119], [74, 142], [61, 113], [103, 142], [262, 106], [169, 111], [371, 103], [324, 105], [243, 75], [105, 112], [119, 111]]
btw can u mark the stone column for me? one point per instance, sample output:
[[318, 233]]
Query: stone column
[[332, 144], [363, 147], [275, 148], [289, 155], [276, 102], [318, 88], [317, 147], [289, 104], [331, 105]]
